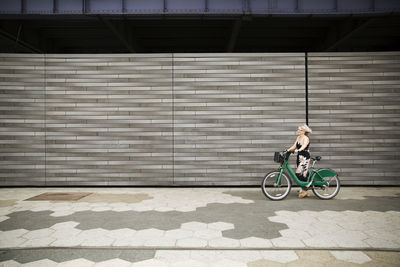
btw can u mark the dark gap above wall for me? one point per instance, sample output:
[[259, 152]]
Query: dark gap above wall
[[197, 34]]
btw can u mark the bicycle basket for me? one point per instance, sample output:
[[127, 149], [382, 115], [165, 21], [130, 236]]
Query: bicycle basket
[[278, 158]]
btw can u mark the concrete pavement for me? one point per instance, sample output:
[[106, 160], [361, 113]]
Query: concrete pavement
[[197, 227]]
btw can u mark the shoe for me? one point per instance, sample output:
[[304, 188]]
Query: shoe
[[304, 194]]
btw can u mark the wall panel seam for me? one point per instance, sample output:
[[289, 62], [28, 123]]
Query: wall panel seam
[[45, 117], [173, 117], [306, 84]]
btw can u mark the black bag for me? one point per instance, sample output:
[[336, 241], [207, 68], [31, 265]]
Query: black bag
[[278, 158]]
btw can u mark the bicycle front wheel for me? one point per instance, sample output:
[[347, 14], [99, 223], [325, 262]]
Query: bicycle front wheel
[[274, 191], [327, 191]]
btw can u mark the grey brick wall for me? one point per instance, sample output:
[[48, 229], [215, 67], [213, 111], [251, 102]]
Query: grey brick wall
[[231, 112], [193, 119], [355, 114], [22, 113], [108, 119]]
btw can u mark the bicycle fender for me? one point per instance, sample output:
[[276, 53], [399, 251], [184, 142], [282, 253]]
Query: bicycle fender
[[326, 173]]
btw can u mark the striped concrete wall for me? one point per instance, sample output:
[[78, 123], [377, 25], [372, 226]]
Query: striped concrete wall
[[232, 111], [355, 115], [22, 113], [108, 119], [193, 119]]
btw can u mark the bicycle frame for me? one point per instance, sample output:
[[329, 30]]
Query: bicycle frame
[[318, 179]]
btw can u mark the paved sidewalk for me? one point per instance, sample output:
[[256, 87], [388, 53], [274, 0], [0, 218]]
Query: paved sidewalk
[[197, 227]]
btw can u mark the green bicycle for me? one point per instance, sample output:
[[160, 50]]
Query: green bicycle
[[276, 185]]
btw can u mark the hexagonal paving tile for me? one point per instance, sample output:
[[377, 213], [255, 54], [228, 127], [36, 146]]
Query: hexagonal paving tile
[[221, 226], [11, 242], [77, 262], [191, 242], [286, 242], [281, 256], [244, 256], [149, 233], [113, 262], [93, 233], [207, 256], [255, 242], [207, 234], [227, 262], [38, 233], [189, 263], [70, 224], [149, 263], [161, 242], [194, 226], [38, 242], [172, 256], [65, 233], [224, 242], [178, 233], [10, 263], [98, 241], [72, 241], [13, 234], [44, 262], [62, 213], [121, 233], [351, 256]]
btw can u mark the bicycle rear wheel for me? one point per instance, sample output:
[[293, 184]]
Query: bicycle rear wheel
[[327, 191], [273, 191]]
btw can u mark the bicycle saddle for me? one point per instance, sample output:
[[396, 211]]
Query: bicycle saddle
[[317, 158]]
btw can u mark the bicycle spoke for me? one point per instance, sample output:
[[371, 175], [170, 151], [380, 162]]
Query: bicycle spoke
[[327, 191], [329, 180], [274, 191]]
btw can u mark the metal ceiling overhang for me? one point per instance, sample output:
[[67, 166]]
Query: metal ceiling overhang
[[198, 7]]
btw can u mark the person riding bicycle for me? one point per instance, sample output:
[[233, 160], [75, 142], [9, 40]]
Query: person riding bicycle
[[302, 148]]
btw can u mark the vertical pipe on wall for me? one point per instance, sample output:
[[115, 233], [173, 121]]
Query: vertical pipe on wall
[[44, 118], [173, 118], [306, 83]]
